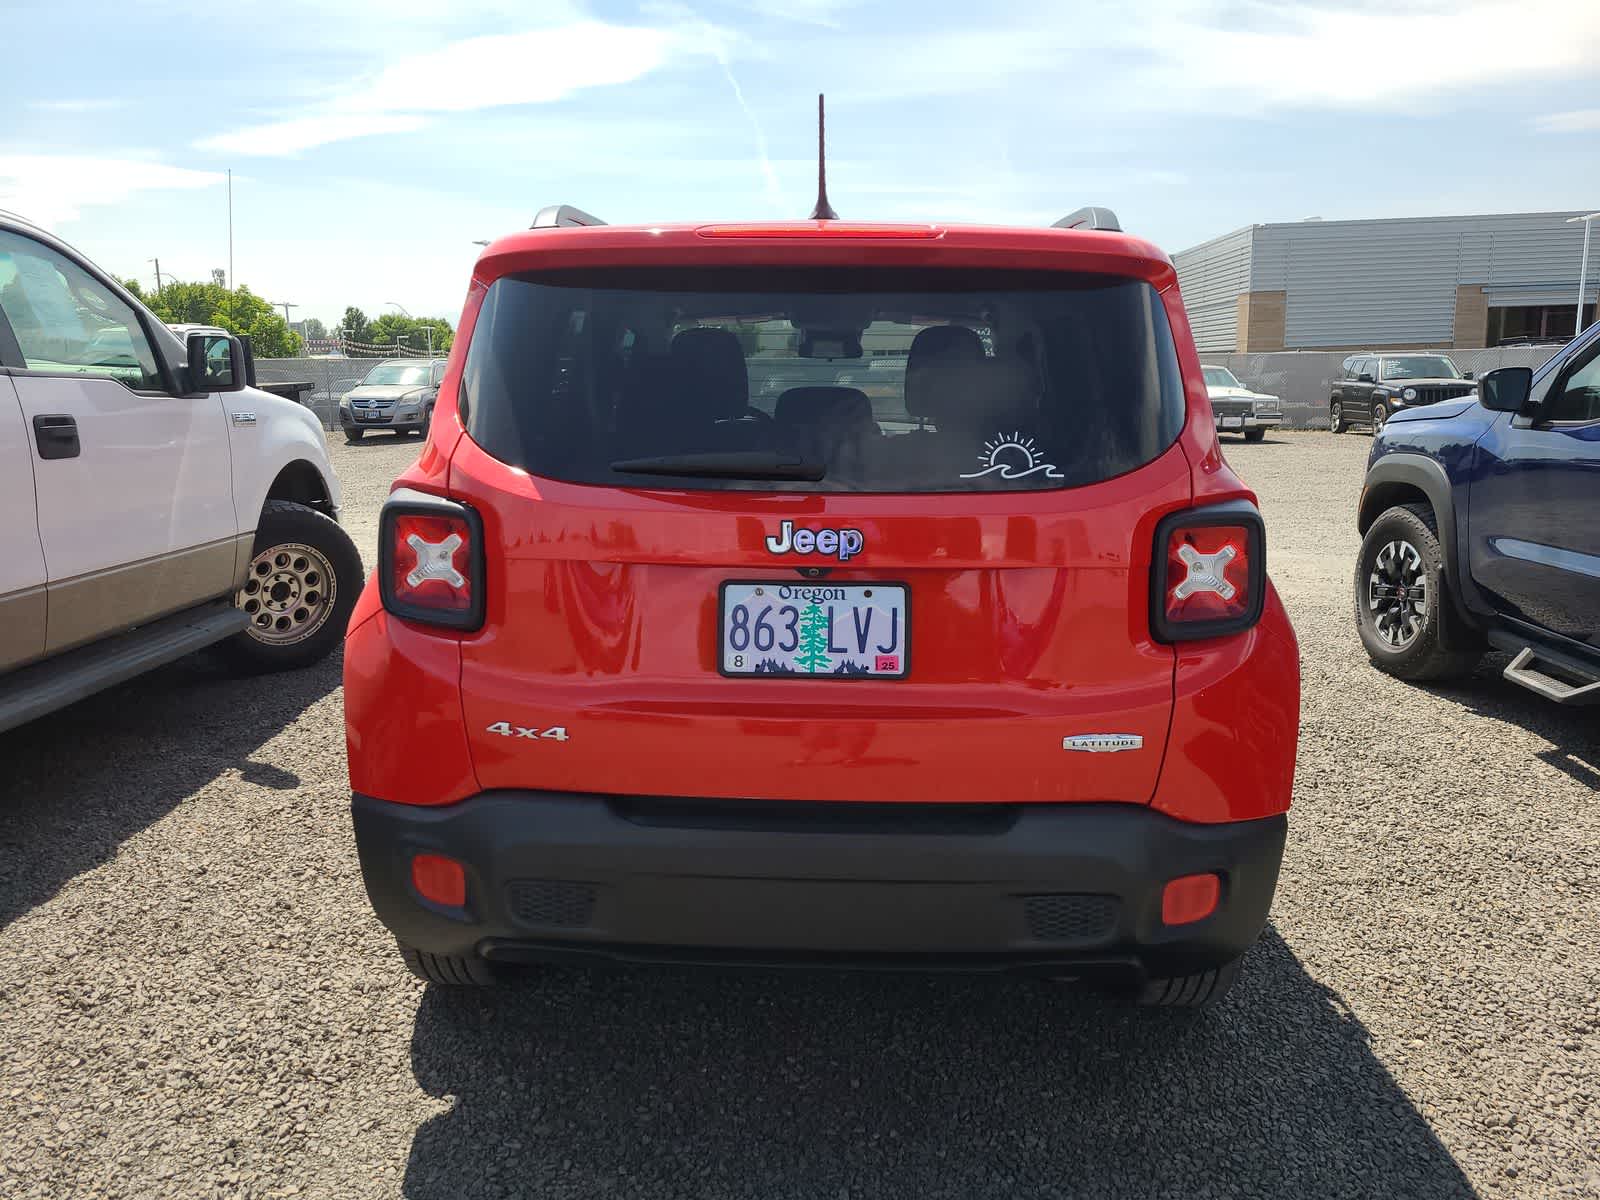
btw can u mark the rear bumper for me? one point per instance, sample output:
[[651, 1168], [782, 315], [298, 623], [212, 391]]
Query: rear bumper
[[1048, 888]]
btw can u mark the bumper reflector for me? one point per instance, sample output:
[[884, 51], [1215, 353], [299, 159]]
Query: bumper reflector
[[1190, 898], [440, 879]]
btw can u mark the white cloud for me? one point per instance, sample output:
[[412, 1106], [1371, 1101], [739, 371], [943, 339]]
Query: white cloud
[[533, 67], [1582, 120], [276, 138], [50, 189], [1302, 54]]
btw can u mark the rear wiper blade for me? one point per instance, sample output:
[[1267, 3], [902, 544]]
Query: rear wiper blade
[[728, 464]]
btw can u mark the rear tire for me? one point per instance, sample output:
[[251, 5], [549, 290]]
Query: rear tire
[[1336, 420], [448, 970], [304, 576], [1401, 550], [1203, 990], [1255, 435]]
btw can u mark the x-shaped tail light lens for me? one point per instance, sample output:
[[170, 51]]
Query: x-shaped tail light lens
[[430, 567], [1212, 572]]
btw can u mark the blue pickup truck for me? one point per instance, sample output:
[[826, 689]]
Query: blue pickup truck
[[1480, 523]]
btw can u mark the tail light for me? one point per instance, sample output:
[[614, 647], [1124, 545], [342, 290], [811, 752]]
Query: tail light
[[430, 560], [1210, 572]]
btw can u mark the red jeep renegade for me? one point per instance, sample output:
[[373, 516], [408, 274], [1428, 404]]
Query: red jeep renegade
[[824, 593]]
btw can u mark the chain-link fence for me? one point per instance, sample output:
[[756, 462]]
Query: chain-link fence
[[1301, 379], [330, 379]]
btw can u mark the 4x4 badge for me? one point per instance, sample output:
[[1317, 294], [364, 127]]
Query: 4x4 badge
[[846, 543], [1103, 743]]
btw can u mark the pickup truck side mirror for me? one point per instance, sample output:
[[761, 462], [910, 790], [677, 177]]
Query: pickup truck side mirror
[[216, 362], [1469, 375], [1506, 389], [1365, 377]]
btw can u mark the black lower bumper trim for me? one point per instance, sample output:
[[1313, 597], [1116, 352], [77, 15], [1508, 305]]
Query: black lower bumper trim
[[1044, 888]]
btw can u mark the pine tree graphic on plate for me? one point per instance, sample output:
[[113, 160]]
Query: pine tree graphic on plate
[[813, 656]]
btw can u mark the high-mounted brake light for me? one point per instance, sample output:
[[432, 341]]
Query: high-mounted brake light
[[823, 229], [430, 560], [1210, 572]]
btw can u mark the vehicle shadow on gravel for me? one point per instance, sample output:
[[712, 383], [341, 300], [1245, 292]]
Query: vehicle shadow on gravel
[[1573, 731], [75, 784], [698, 1084]]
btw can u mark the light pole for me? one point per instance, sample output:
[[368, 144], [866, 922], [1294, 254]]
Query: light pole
[[400, 340], [1583, 265], [480, 241], [157, 262]]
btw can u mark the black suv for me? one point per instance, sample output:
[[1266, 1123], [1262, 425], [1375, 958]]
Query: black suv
[[1373, 386]]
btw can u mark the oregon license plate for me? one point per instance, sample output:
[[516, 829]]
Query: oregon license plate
[[1232, 422], [814, 630]]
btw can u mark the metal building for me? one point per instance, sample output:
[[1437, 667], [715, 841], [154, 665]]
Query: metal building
[[1404, 282]]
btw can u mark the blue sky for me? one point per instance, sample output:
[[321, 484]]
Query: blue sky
[[372, 142]]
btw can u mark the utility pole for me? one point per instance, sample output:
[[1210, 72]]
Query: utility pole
[[157, 262], [230, 245], [286, 306], [1583, 266]]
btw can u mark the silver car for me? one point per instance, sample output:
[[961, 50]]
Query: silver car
[[397, 394]]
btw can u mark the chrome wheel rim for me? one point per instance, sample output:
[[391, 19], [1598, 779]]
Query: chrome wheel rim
[[1333, 416], [1378, 415], [1397, 594], [288, 593]]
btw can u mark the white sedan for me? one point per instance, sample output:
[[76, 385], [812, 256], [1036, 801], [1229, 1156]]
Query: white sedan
[[1235, 408]]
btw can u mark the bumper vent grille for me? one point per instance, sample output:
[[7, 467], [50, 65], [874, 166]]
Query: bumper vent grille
[[551, 902], [1070, 917]]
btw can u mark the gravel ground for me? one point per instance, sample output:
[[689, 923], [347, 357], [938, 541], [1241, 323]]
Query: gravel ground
[[195, 999]]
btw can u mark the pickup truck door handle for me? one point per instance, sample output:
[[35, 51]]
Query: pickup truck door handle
[[57, 435]]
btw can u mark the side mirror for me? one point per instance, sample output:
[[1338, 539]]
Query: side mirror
[[1365, 377], [1506, 389], [1469, 375], [216, 363]]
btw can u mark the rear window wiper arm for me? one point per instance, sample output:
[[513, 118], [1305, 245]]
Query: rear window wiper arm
[[727, 464]]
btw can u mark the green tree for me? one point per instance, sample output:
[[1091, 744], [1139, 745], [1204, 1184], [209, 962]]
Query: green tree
[[388, 329], [355, 325], [313, 328], [240, 311], [813, 654]]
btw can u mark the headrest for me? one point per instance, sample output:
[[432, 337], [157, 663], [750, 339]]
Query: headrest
[[941, 373], [840, 406], [710, 365]]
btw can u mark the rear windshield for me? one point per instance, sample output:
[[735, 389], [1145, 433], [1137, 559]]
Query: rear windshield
[[851, 380]]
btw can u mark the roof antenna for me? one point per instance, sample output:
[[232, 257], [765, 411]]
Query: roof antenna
[[823, 211]]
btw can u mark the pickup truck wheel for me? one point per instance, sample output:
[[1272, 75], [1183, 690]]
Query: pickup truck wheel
[[352, 436], [1401, 594], [448, 969], [1255, 435], [1336, 417], [1380, 414], [1202, 990], [299, 589]]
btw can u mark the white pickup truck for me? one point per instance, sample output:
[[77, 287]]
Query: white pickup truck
[[151, 502]]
